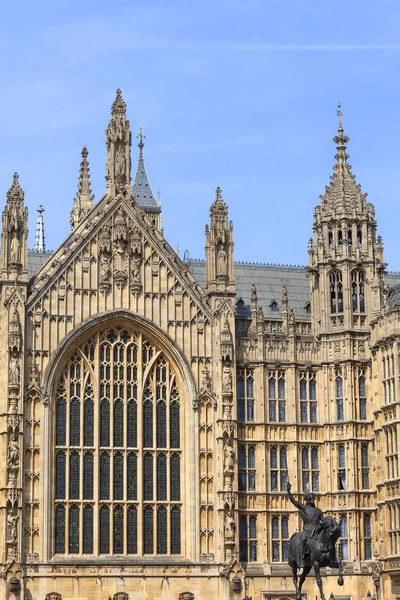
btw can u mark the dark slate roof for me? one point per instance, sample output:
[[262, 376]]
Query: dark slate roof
[[36, 260], [141, 189], [268, 279], [393, 297]]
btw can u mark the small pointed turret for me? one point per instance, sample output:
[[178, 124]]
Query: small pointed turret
[[219, 247], [141, 189], [14, 232], [84, 199], [118, 140], [39, 236]]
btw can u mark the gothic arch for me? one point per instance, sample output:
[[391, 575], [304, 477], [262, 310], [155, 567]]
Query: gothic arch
[[184, 377]]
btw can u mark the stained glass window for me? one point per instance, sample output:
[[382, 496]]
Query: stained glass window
[[88, 422], [148, 530], [104, 529], [148, 424], [175, 530], [88, 529], [74, 529], [74, 460], [132, 424], [161, 477], [61, 422], [88, 476], [161, 530], [118, 529], [132, 530], [104, 423], [132, 476], [60, 475], [118, 476], [75, 422], [174, 425], [161, 425], [60, 529], [104, 476], [96, 451], [118, 424], [148, 476], [175, 483]]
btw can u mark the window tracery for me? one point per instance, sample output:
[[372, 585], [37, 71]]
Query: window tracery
[[117, 434]]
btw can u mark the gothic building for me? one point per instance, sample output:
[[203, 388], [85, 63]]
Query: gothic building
[[154, 409]]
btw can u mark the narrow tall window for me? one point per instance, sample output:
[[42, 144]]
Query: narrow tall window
[[277, 393], [280, 538], [245, 395], [247, 468], [308, 397], [362, 395], [344, 541], [248, 538], [365, 466], [278, 468], [367, 538], [341, 468], [310, 469], [357, 291], [339, 395], [336, 290]]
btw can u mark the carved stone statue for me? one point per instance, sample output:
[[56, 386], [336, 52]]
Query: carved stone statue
[[221, 262], [15, 249], [136, 270], [229, 457], [12, 524], [13, 371], [105, 268], [119, 162], [227, 380], [13, 453], [229, 526]]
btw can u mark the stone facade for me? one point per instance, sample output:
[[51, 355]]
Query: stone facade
[[154, 409]]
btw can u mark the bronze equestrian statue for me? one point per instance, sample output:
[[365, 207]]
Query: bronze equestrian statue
[[315, 545]]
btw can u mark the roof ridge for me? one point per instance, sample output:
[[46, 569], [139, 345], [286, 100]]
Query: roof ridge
[[244, 263]]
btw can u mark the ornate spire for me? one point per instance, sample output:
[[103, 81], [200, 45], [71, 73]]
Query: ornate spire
[[118, 140], [218, 206], [84, 199], [141, 189], [39, 236], [343, 197]]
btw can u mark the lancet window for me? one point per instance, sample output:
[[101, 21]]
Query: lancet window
[[245, 395], [118, 450], [278, 468], [310, 469], [280, 539], [357, 291], [248, 538], [336, 291], [339, 395], [277, 396], [308, 397], [367, 538]]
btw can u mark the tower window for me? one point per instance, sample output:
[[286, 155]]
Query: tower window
[[359, 238], [280, 538], [277, 396], [339, 395], [308, 397], [357, 291], [341, 467], [340, 238], [336, 290], [245, 395], [330, 239], [350, 238]]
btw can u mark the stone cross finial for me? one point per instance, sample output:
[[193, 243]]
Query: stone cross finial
[[140, 136]]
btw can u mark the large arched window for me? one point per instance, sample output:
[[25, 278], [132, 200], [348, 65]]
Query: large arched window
[[118, 449]]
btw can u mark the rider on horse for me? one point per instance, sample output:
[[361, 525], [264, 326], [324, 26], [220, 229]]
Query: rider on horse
[[312, 518]]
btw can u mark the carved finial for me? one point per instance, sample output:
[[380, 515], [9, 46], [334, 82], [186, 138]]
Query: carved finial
[[15, 192], [341, 140], [39, 236], [339, 113], [119, 105], [140, 136], [84, 199]]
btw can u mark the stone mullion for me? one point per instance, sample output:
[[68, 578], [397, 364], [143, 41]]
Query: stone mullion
[[112, 450], [81, 453], [96, 461], [125, 452], [140, 536]]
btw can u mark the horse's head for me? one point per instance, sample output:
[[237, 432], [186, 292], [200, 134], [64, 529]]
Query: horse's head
[[331, 528]]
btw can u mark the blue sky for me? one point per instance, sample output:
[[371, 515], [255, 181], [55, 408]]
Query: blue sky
[[236, 93]]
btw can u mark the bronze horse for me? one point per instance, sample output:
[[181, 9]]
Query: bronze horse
[[321, 552]]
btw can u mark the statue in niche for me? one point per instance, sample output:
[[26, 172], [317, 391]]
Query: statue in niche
[[119, 162], [229, 526], [227, 380], [13, 371], [13, 453], [136, 270], [14, 219], [105, 268], [15, 249], [12, 524], [229, 457], [206, 381], [221, 262]]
